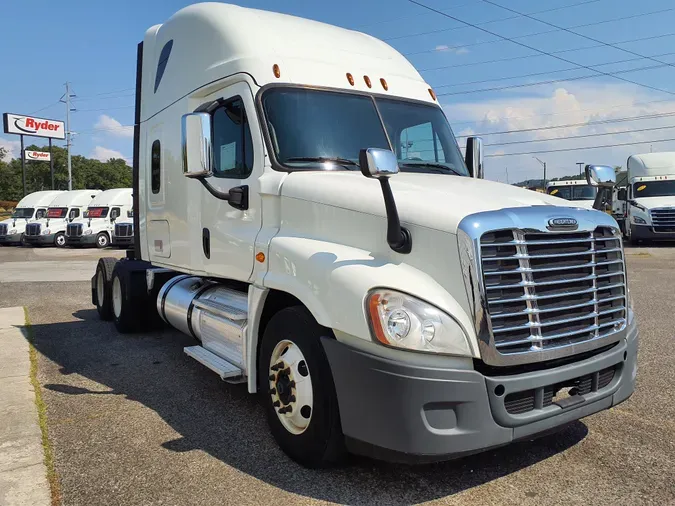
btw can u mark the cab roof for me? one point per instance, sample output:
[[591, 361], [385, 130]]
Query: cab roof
[[115, 197], [74, 198], [205, 42], [652, 164], [39, 199]]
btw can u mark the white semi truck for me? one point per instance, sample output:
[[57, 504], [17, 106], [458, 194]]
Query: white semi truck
[[650, 205], [123, 232], [64, 209], [577, 191], [95, 227], [30, 208], [379, 300]]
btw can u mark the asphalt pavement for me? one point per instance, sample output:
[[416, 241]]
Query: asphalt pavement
[[132, 420]]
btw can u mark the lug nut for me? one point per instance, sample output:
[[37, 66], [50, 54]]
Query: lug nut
[[277, 366], [292, 384], [276, 404], [272, 377], [286, 371], [291, 398], [273, 391], [285, 409]]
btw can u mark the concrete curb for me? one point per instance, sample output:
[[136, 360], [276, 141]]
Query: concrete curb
[[23, 475]]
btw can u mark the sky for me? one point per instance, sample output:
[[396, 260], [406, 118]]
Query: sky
[[486, 85]]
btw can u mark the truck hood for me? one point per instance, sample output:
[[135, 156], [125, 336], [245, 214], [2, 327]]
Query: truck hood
[[431, 200], [656, 202]]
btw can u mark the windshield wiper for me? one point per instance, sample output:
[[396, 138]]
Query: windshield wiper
[[321, 159], [432, 165]]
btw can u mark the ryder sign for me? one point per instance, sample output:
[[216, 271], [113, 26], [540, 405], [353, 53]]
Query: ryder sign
[[30, 125], [37, 155]]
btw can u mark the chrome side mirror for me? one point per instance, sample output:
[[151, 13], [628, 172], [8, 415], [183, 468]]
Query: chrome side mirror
[[196, 145], [474, 156], [378, 163], [600, 175]]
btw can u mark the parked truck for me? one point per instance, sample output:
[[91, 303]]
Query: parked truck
[[577, 191], [64, 209], [30, 208], [123, 232], [650, 205], [95, 227], [378, 301]]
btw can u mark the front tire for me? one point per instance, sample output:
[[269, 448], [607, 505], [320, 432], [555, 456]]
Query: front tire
[[102, 240], [297, 391], [60, 240], [104, 271]]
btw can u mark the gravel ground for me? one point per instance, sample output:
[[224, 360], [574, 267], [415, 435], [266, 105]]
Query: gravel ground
[[134, 421]]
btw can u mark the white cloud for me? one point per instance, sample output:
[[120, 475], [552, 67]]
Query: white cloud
[[105, 154], [456, 50], [113, 127], [13, 148], [571, 105]]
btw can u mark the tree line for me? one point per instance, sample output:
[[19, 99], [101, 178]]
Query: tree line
[[87, 173]]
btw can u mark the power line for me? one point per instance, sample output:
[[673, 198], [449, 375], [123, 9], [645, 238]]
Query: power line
[[106, 108], [500, 38], [579, 148], [408, 18], [491, 21], [86, 99], [574, 125], [567, 30], [108, 92], [45, 107]]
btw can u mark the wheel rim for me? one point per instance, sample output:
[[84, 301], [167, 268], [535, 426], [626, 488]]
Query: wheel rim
[[290, 387], [99, 288], [102, 240], [60, 240], [117, 297]]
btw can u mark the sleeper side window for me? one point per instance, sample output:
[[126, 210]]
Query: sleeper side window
[[161, 64], [232, 143], [155, 169]]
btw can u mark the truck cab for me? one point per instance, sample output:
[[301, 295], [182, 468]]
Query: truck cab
[[95, 226], [577, 191], [123, 233], [31, 208], [64, 209], [651, 197], [302, 209]]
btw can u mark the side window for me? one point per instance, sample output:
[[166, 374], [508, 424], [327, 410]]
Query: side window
[[155, 167], [40, 213], [232, 144], [74, 213], [114, 213], [421, 143], [161, 64]]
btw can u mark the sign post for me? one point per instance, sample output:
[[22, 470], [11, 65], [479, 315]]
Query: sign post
[[21, 125], [51, 163]]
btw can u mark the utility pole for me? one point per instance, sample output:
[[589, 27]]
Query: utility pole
[[580, 164], [507, 175], [544, 164], [66, 99]]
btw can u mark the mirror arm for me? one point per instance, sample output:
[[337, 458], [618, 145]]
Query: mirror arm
[[398, 237], [237, 197], [600, 197]]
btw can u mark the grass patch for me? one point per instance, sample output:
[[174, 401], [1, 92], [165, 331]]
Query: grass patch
[[52, 477]]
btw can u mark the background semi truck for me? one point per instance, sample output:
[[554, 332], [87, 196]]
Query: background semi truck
[[30, 208], [95, 227], [577, 191], [651, 196], [378, 302], [123, 232], [64, 209]]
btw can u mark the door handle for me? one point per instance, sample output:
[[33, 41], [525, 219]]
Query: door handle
[[206, 242]]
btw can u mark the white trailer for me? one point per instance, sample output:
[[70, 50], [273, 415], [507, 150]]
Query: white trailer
[[416, 313], [577, 191], [64, 209], [651, 196], [30, 208], [95, 227]]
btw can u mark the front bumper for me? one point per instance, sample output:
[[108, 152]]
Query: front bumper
[[81, 240], [40, 239], [403, 413], [8, 240], [123, 241], [647, 232]]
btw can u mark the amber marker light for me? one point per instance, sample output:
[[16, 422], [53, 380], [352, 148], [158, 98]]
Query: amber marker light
[[260, 257], [277, 72], [367, 80], [373, 305], [384, 84], [431, 92], [350, 78]]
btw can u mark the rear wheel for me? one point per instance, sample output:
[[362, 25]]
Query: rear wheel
[[297, 390], [102, 287], [102, 240], [125, 302], [60, 240]]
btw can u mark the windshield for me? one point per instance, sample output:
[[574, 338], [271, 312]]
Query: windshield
[[96, 212], [23, 212], [57, 212], [573, 192], [654, 189], [312, 129]]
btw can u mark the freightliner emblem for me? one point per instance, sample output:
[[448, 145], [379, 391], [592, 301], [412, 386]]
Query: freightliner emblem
[[562, 223]]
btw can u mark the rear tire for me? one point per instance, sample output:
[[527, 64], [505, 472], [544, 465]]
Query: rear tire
[[104, 271], [317, 441], [124, 302], [60, 240], [102, 240]]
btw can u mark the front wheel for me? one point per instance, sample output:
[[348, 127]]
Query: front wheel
[[297, 390], [102, 240], [60, 240]]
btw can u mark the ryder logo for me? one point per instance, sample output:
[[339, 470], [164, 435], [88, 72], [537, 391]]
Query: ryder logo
[[36, 127], [37, 155]]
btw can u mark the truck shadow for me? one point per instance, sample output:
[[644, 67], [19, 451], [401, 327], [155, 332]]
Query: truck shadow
[[227, 423]]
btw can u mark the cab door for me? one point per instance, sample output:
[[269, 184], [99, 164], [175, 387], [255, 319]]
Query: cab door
[[228, 234]]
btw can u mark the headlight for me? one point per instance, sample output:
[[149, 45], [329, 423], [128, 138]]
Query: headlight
[[45, 231], [403, 321], [12, 232], [87, 232], [638, 220]]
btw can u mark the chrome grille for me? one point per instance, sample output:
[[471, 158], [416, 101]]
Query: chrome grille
[[124, 230], [546, 290], [33, 229], [3, 229], [663, 219], [74, 229]]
